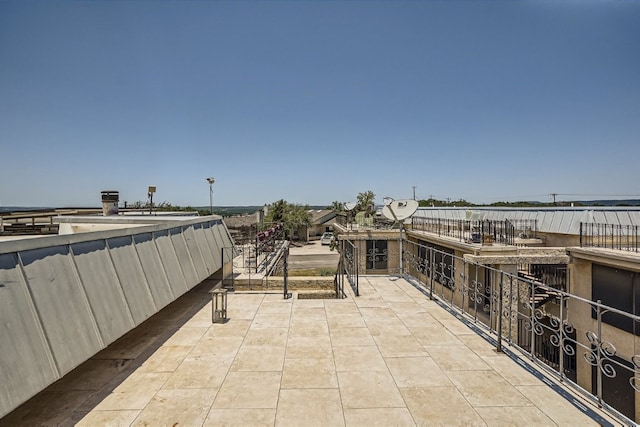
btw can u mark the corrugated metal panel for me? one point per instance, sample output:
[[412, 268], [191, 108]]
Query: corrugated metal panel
[[545, 222], [556, 222], [531, 216], [493, 215], [553, 220], [623, 218], [634, 216], [600, 217], [566, 222], [576, 219]]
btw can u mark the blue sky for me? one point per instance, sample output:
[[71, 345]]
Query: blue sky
[[313, 102]]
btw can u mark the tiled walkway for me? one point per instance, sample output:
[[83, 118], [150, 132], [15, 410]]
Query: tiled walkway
[[390, 357]]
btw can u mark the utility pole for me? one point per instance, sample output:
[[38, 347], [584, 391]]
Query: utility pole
[[210, 180], [554, 198], [414, 192]]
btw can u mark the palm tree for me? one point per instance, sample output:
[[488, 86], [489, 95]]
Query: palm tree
[[337, 206], [366, 202]]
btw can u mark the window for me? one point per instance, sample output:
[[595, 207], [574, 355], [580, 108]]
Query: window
[[376, 254], [619, 289]]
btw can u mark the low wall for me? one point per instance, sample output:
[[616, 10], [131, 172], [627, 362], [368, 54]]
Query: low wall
[[64, 298]]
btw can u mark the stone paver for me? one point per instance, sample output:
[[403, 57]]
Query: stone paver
[[389, 357]]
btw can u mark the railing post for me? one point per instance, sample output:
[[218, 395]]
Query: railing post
[[336, 280], [475, 293], [463, 284], [597, 350], [285, 269], [499, 346], [431, 268], [561, 337], [533, 320], [357, 262], [581, 235], [510, 306]]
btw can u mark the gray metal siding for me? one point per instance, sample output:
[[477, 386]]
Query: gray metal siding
[[64, 298]]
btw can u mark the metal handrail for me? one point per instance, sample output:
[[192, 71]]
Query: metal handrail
[[348, 265], [610, 236], [515, 310], [477, 231]]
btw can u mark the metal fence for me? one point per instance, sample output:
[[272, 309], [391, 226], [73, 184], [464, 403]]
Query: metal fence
[[348, 266], [483, 232], [609, 236], [570, 337], [268, 245], [350, 222]]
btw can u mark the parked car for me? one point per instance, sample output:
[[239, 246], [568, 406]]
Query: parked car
[[326, 238]]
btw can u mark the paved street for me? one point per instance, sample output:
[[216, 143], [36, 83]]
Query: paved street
[[312, 255]]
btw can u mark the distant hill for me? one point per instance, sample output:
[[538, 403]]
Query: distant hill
[[231, 210], [576, 203], [239, 210], [626, 202]]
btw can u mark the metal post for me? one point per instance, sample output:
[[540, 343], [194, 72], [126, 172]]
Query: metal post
[[561, 337], [356, 255], [210, 180], [431, 268], [475, 293], [499, 346], [400, 244], [598, 355], [285, 269], [510, 307], [533, 320], [463, 285]]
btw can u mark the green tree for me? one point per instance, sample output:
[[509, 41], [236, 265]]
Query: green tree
[[337, 206], [366, 202], [292, 216]]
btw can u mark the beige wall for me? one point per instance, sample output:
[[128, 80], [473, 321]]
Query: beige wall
[[627, 345]]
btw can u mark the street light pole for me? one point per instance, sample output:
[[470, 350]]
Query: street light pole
[[210, 180]]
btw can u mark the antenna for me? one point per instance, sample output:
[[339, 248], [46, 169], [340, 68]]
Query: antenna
[[399, 210], [349, 206]]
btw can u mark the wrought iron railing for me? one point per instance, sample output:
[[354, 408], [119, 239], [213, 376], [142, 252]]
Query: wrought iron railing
[[349, 222], [348, 266], [267, 245], [569, 336], [482, 232], [609, 236]]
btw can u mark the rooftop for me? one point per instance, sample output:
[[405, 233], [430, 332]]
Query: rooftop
[[388, 357]]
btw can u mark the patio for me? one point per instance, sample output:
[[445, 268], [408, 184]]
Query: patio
[[388, 357]]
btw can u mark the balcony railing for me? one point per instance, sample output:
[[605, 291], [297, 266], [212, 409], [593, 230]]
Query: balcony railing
[[574, 339], [482, 232], [348, 266], [609, 236], [364, 223]]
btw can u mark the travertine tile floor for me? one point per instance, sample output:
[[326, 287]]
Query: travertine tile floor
[[390, 357]]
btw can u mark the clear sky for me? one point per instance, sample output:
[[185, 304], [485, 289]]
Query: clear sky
[[314, 102]]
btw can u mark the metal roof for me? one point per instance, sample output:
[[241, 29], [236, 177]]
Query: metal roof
[[551, 220]]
